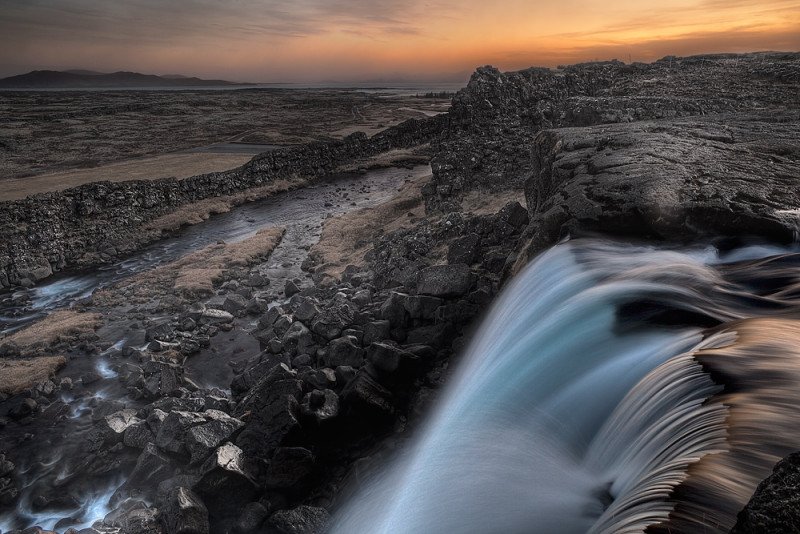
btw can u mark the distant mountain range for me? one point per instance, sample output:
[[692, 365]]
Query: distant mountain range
[[77, 79]]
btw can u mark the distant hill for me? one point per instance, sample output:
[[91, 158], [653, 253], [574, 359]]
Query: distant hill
[[76, 79]]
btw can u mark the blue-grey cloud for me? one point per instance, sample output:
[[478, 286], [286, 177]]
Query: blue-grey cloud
[[158, 21]]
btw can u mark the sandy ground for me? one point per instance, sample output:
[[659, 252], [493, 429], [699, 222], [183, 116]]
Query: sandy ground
[[152, 168]]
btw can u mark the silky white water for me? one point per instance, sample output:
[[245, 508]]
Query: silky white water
[[566, 415]]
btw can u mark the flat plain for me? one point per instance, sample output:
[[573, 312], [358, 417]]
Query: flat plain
[[60, 139]]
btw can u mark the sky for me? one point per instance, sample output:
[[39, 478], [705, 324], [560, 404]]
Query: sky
[[369, 40]]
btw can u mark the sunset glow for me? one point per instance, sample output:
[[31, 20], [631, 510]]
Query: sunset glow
[[317, 40]]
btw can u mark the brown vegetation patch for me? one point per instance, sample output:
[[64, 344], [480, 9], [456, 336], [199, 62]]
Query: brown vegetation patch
[[346, 239], [194, 275], [58, 327], [19, 375], [200, 211]]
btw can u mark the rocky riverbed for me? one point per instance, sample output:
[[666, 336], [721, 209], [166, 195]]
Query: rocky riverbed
[[250, 387]]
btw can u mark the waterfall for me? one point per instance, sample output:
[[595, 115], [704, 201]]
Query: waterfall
[[595, 398]]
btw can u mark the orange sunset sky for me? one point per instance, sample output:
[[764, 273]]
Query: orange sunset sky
[[358, 40]]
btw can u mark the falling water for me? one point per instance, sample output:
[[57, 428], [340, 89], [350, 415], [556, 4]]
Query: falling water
[[587, 401]]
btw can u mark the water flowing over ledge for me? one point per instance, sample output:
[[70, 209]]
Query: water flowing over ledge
[[594, 398]]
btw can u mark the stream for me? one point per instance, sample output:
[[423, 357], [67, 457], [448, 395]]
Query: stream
[[63, 486], [301, 212]]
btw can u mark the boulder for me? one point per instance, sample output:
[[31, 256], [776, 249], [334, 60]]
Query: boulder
[[320, 405], [162, 346], [297, 338], [466, 249], [368, 398], [256, 280], [161, 378], [235, 304], [394, 310], [300, 520], [113, 426], [225, 480], [422, 306], [288, 467], [319, 378], [151, 468], [376, 331], [22, 408], [159, 330], [272, 410], [256, 306], [269, 318], [304, 308], [173, 431], [436, 335], [138, 435], [251, 518], [202, 439], [775, 506], [330, 322], [514, 214], [215, 316], [183, 512], [290, 289], [344, 351], [445, 280], [388, 359]]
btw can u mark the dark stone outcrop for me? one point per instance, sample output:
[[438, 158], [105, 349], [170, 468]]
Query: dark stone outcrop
[[492, 121], [184, 512], [675, 180], [300, 520], [452, 280], [775, 506]]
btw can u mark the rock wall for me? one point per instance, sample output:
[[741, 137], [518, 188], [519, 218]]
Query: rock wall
[[490, 128], [101, 221], [679, 180]]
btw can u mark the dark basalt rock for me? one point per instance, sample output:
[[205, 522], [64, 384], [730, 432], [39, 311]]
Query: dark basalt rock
[[300, 520], [288, 467], [445, 280], [492, 121], [321, 405], [226, 480], [465, 250], [775, 506], [344, 351], [271, 411], [184, 512], [654, 180]]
